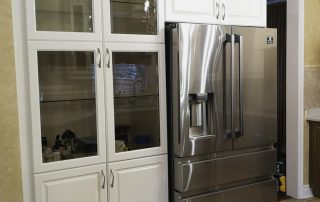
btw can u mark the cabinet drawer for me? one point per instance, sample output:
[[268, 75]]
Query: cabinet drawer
[[226, 171]]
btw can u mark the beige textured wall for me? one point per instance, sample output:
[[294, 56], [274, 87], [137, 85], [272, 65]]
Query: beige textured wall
[[10, 169], [312, 33], [312, 70]]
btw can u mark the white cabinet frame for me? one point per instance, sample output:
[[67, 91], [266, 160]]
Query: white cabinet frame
[[33, 34], [39, 166], [47, 184], [162, 149], [119, 172], [222, 12], [204, 11], [134, 38], [246, 14]]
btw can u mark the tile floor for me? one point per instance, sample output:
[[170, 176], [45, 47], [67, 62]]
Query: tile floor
[[304, 200]]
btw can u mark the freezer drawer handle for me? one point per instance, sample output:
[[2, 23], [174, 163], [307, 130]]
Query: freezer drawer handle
[[239, 129], [227, 130]]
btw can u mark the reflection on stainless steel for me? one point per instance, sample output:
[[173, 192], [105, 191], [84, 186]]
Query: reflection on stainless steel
[[199, 49], [222, 112], [213, 172]]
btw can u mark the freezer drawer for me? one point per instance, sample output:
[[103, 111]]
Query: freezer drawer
[[194, 176], [265, 191]]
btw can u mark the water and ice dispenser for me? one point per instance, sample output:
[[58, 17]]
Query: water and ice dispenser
[[198, 110]]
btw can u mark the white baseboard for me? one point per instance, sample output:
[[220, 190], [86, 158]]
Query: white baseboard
[[307, 193]]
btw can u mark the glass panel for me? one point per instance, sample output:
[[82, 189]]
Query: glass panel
[[67, 105], [64, 15], [134, 17], [136, 100]]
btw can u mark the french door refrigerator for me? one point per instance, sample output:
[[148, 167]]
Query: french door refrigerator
[[222, 112]]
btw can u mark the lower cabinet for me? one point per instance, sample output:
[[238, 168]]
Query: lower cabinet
[[314, 156], [86, 184], [139, 180]]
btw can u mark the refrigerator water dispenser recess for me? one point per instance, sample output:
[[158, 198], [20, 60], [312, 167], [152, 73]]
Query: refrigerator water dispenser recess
[[198, 109]]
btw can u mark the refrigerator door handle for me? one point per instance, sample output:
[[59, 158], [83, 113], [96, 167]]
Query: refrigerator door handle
[[238, 131], [227, 130]]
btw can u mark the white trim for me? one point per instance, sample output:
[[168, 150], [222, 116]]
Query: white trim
[[295, 96], [20, 50], [307, 192]]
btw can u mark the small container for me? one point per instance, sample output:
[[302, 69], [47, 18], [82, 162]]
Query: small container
[[56, 155], [46, 151]]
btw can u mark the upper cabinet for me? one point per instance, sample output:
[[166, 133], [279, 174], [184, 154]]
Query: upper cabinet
[[134, 20], [225, 12], [64, 20], [82, 20], [244, 12], [197, 11]]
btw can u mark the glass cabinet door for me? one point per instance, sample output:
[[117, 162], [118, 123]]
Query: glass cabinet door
[[138, 101], [67, 100], [64, 19], [134, 20]]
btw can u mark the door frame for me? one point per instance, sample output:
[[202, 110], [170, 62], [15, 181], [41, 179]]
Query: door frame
[[295, 100], [295, 85]]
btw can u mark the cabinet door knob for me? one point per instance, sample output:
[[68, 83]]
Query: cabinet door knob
[[223, 11], [217, 10], [103, 180]]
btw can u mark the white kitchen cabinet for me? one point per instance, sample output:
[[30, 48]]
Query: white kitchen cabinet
[[136, 89], [138, 21], [79, 185], [140, 180], [244, 12], [67, 105], [224, 12], [96, 72], [196, 11], [64, 20]]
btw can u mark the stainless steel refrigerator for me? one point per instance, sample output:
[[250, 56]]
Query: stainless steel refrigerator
[[222, 112]]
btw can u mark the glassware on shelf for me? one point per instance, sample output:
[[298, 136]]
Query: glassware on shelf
[[134, 17]]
